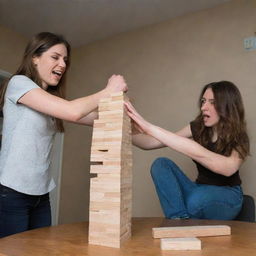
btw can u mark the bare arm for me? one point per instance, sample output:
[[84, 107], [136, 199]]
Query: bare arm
[[74, 110], [225, 165], [88, 120], [217, 163], [147, 142]]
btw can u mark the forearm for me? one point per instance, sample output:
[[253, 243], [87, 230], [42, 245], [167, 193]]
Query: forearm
[[85, 106], [54, 106], [217, 163], [146, 142], [89, 119]]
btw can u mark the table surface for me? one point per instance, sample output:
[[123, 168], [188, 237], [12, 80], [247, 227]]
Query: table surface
[[71, 239]]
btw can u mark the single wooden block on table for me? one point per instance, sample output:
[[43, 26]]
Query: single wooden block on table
[[184, 243], [191, 231]]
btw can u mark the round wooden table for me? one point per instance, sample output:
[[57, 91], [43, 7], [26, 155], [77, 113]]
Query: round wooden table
[[71, 239]]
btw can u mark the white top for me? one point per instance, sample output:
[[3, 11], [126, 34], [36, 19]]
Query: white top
[[27, 139]]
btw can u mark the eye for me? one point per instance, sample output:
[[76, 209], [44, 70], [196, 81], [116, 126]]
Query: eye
[[55, 57], [202, 101]]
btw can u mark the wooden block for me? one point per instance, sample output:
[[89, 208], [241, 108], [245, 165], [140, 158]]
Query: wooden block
[[105, 217], [118, 112], [110, 141], [103, 187], [184, 243], [113, 133], [191, 231], [97, 196], [117, 94], [105, 106], [105, 157], [112, 194], [97, 206], [112, 118], [117, 97], [105, 100], [104, 146], [108, 122], [109, 162], [104, 169]]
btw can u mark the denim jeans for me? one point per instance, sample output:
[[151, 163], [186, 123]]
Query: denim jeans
[[20, 212], [182, 198]]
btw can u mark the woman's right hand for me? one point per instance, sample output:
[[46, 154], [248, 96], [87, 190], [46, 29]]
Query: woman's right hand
[[140, 123], [116, 83]]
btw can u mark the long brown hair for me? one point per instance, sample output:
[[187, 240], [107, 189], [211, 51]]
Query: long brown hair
[[39, 44], [231, 128]]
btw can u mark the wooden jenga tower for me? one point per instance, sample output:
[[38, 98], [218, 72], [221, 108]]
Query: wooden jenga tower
[[111, 188]]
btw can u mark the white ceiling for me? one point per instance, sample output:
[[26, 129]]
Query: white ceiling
[[85, 21]]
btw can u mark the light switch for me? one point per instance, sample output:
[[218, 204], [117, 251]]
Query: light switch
[[250, 43]]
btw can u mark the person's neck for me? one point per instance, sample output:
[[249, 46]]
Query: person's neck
[[44, 86], [215, 134]]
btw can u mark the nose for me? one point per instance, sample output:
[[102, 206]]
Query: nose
[[62, 63], [205, 105]]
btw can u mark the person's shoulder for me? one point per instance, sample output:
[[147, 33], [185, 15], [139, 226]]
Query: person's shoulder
[[21, 81], [19, 78], [18, 86]]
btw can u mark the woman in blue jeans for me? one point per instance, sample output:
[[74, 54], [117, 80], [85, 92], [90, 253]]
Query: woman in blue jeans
[[217, 142]]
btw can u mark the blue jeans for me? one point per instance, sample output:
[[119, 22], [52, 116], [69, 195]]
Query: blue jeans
[[20, 212], [182, 198]]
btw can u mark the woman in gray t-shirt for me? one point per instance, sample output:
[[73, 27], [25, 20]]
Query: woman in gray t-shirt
[[34, 107]]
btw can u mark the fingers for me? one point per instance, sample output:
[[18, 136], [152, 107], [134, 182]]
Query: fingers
[[117, 83], [131, 109], [129, 106], [133, 114]]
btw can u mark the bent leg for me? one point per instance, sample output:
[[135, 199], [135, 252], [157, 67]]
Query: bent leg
[[215, 202], [172, 186]]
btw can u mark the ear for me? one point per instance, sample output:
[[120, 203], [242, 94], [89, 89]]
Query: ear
[[35, 60]]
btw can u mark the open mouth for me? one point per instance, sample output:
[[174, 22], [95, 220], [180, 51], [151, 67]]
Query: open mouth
[[58, 73], [206, 117]]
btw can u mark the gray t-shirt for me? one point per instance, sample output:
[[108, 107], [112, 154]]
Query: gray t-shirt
[[26, 142]]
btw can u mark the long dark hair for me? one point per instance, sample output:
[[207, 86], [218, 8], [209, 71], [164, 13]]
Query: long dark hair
[[231, 128], [39, 44]]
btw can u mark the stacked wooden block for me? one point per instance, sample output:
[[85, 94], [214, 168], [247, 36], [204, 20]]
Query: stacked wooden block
[[111, 188], [185, 237]]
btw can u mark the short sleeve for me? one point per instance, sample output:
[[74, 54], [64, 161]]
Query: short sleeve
[[18, 86]]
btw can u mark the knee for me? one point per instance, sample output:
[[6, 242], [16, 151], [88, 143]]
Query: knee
[[159, 165]]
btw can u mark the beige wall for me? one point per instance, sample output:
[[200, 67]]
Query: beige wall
[[11, 49], [165, 66]]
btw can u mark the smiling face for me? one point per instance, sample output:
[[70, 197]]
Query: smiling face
[[51, 65], [209, 113]]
